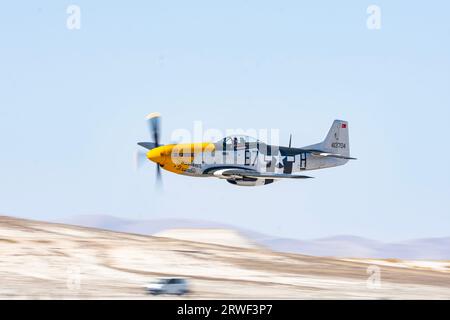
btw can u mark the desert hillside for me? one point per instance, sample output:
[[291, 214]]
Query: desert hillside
[[225, 237], [41, 260], [342, 246]]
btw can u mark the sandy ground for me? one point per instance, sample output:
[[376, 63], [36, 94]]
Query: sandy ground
[[40, 260]]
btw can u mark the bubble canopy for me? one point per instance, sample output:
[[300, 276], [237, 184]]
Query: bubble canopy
[[239, 139]]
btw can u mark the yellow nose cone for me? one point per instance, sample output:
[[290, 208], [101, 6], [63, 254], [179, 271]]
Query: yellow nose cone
[[155, 155]]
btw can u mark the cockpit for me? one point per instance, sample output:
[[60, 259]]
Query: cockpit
[[238, 141]]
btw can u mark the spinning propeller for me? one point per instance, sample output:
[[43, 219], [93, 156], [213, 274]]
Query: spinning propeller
[[154, 124]]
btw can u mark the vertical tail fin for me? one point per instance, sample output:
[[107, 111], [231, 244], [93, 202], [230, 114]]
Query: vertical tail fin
[[336, 141]]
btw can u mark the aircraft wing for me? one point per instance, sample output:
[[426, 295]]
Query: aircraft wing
[[236, 173], [148, 145]]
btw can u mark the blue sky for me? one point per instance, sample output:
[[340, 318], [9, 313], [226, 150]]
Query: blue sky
[[72, 107]]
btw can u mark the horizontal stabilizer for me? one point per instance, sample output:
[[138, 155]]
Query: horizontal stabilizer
[[330, 155]]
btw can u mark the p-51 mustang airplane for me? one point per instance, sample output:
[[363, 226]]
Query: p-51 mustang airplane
[[245, 161]]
